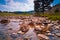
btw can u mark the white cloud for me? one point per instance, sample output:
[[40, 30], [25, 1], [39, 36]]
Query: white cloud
[[18, 6]]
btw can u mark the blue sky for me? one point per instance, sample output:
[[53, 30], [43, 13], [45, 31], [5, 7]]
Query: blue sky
[[19, 5], [56, 2]]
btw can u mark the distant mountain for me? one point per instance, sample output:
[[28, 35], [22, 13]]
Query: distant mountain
[[19, 12]]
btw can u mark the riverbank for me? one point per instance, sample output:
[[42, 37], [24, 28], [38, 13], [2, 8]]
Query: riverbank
[[52, 16]]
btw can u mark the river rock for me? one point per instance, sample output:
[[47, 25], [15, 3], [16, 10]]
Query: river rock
[[58, 34], [43, 36], [50, 34]]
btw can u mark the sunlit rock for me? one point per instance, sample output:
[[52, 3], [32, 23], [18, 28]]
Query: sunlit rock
[[43, 36]]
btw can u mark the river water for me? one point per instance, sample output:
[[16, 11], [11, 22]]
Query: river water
[[15, 27]]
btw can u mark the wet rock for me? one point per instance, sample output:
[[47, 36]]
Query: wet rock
[[4, 21], [43, 36], [9, 28], [20, 32], [48, 31], [50, 25], [14, 21], [50, 34], [58, 34], [57, 27]]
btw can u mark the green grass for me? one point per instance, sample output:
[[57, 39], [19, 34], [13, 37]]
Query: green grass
[[52, 16], [13, 14]]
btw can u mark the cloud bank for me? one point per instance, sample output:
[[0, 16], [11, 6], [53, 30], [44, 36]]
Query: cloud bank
[[12, 5]]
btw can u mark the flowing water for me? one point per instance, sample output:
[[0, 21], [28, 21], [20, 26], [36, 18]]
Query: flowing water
[[15, 26]]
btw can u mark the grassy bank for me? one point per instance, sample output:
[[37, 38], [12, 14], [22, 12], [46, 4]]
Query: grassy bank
[[55, 16], [13, 14], [52, 16]]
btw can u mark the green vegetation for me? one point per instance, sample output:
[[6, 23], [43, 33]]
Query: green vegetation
[[56, 11], [55, 16], [51, 16], [13, 14]]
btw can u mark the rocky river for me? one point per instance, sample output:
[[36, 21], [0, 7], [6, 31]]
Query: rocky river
[[11, 30]]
